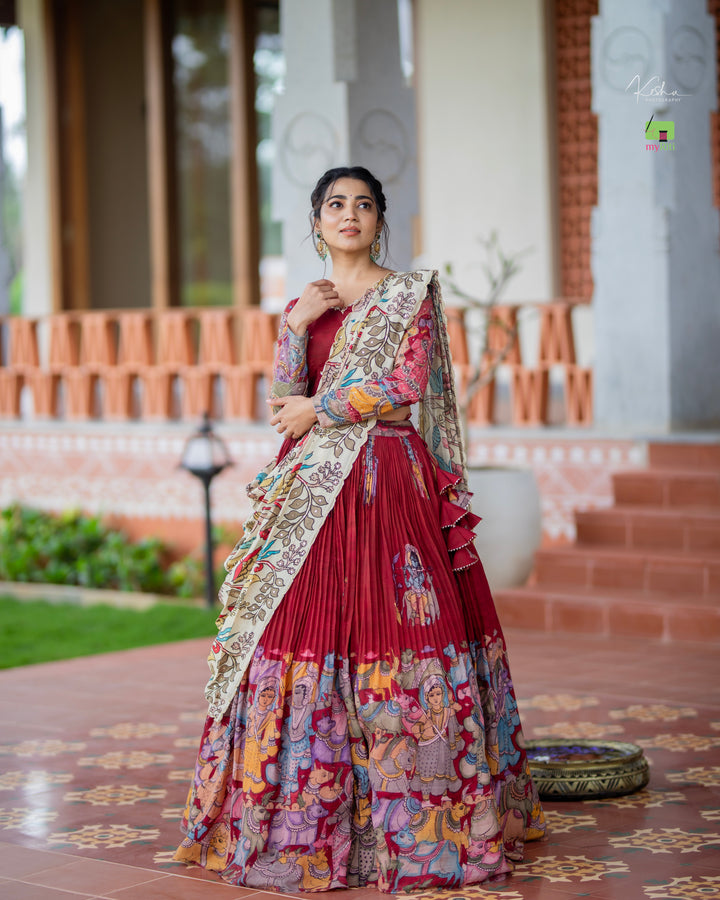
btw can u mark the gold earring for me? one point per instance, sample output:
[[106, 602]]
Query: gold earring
[[375, 248], [321, 246]]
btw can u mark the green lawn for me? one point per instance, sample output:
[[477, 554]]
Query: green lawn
[[37, 631]]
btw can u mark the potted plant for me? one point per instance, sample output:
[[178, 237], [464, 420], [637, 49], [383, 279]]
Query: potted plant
[[507, 497]]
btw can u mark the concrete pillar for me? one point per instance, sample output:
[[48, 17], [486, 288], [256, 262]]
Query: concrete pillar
[[346, 102], [4, 255], [37, 255], [656, 262]]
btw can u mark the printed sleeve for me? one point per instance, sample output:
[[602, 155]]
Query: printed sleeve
[[403, 386], [290, 373]]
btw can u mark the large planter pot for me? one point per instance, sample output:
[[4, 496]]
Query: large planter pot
[[508, 500]]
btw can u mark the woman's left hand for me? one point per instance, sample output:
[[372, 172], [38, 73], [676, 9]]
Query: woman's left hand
[[295, 417]]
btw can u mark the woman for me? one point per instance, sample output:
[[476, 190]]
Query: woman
[[356, 581]]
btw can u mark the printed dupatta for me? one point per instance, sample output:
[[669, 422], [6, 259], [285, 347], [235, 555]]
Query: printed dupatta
[[292, 497]]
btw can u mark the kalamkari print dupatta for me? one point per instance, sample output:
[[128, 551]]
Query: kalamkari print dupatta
[[292, 497]]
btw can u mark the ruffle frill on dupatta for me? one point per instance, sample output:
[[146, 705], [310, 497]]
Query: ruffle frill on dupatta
[[457, 521]]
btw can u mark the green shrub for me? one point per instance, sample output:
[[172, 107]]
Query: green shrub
[[187, 577], [72, 548]]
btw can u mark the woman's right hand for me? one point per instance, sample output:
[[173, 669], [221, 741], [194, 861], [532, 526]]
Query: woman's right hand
[[317, 298]]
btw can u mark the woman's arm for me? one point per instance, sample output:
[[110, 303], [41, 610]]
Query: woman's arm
[[405, 385], [290, 373]]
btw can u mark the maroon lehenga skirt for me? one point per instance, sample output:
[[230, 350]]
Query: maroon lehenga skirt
[[375, 737]]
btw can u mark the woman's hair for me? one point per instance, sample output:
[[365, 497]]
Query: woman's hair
[[326, 181]]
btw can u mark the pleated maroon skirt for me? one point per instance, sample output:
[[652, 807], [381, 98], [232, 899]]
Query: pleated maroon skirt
[[375, 736]]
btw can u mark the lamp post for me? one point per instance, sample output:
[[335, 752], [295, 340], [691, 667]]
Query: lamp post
[[205, 456]]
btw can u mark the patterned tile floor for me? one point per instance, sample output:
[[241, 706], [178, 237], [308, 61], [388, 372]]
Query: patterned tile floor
[[95, 755]]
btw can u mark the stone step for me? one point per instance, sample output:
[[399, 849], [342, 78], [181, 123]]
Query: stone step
[[652, 570], [611, 613], [667, 487], [670, 455], [642, 527]]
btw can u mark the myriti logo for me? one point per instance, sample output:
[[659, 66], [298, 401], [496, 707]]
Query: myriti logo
[[659, 135]]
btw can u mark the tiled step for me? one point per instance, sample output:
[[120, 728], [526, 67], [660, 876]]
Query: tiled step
[[684, 455], [667, 487], [651, 570], [648, 567], [611, 613], [643, 527]]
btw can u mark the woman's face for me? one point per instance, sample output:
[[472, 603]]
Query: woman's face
[[349, 219]]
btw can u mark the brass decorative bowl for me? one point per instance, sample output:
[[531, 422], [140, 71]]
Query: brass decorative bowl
[[586, 770]]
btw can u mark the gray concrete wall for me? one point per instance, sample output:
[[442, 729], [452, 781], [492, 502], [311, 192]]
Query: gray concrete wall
[[656, 263], [346, 102]]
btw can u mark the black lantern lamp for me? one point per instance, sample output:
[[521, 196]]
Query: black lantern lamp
[[205, 456]]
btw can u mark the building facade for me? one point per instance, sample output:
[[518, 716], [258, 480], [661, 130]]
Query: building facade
[[172, 146]]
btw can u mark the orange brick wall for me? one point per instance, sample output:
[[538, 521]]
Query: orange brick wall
[[143, 367], [576, 143]]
